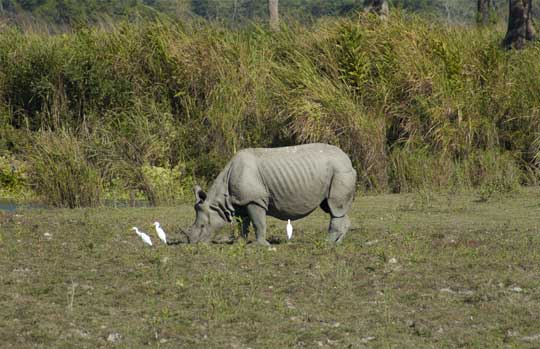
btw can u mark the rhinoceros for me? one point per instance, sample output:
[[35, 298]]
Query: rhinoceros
[[286, 183]]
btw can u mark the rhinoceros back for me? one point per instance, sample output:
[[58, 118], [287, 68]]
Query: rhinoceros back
[[291, 181]]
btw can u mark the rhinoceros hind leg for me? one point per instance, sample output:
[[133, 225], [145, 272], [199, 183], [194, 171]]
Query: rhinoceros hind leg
[[338, 229], [257, 215], [245, 227], [341, 194]]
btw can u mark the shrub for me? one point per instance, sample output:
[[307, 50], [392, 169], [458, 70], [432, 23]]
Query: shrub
[[13, 176], [60, 172], [168, 185]]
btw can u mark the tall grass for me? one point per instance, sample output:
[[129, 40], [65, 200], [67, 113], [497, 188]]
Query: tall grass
[[414, 103]]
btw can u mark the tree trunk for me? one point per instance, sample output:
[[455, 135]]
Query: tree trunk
[[520, 28], [379, 7], [483, 11], [274, 14], [235, 9]]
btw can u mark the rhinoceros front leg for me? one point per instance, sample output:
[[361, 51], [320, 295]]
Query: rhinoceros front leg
[[257, 215], [338, 228]]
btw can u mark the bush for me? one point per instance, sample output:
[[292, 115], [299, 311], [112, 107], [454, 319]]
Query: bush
[[414, 169], [493, 173], [168, 186], [60, 172], [13, 176]]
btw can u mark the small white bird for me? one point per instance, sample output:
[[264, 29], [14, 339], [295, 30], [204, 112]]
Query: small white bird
[[143, 236], [160, 233], [289, 229]]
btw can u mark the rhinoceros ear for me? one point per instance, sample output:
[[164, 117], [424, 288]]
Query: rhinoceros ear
[[200, 195]]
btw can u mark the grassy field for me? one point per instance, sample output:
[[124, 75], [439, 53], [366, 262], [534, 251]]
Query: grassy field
[[417, 270]]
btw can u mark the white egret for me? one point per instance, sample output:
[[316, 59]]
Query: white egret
[[160, 233], [289, 229], [143, 236]]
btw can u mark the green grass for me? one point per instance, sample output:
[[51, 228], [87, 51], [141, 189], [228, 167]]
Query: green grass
[[466, 274]]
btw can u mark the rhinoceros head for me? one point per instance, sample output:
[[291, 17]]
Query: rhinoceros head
[[207, 219]]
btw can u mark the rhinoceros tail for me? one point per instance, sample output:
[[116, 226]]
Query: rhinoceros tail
[[341, 193]]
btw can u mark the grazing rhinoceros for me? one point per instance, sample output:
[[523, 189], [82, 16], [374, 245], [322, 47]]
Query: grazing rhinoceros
[[286, 183]]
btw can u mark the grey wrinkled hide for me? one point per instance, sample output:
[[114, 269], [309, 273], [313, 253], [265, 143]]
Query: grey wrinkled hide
[[286, 183]]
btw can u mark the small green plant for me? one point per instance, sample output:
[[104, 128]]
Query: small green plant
[[238, 249], [425, 198], [13, 176]]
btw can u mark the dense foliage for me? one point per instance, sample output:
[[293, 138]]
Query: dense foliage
[[69, 11], [230, 11], [154, 104]]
